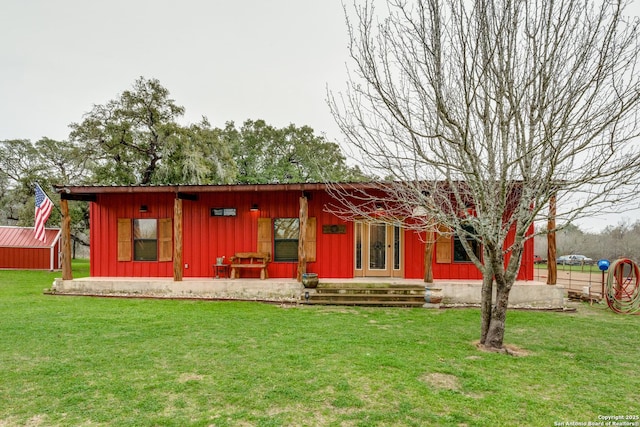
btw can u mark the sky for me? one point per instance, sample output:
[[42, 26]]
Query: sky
[[226, 60], [222, 59]]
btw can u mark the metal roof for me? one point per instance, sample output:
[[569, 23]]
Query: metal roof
[[24, 237], [90, 192], [97, 189]]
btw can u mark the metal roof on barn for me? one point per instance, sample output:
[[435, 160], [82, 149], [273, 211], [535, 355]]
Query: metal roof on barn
[[24, 237]]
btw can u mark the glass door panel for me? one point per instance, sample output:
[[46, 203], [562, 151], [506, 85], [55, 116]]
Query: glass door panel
[[377, 246]]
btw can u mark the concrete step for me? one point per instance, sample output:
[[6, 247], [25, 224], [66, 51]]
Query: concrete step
[[378, 294], [372, 291], [366, 303]]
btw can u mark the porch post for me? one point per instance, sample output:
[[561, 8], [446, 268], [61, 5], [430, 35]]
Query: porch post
[[65, 240], [302, 258], [552, 268], [428, 256], [177, 239]]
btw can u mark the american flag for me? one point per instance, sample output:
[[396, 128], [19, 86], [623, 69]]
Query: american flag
[[43, 210]]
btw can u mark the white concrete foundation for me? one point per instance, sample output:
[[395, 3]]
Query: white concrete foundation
[[241, 289], [526, 294], [523, 294]]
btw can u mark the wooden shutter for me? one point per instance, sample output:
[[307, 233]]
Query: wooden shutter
[[264, 235], [165, 239], [444, 246], [310, 242], [124, 239]]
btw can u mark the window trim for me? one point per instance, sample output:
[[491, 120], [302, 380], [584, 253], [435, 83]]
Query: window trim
[[145, 240], [288, 239]]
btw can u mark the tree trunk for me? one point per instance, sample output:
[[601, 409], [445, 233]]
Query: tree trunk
[[495, 333], [486, 306]]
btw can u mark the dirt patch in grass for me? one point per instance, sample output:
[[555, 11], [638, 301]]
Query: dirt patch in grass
[[186, 377], [442, 381], [35, 421]]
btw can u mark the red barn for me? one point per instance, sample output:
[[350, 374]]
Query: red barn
[[19, 249], [180, 231]]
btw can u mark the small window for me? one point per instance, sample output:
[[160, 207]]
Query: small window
[[459, 254], [286, 232], [145, 239]]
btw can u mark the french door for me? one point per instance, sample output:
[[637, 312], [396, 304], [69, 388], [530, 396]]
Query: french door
[[378, 250]]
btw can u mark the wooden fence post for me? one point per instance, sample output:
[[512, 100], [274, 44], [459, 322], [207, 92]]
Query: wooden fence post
[[65, 240], [177, 240], [552, 268], [428, 256], [302, 259]]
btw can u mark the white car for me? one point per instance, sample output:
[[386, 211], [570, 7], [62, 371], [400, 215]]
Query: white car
[[574, 260]]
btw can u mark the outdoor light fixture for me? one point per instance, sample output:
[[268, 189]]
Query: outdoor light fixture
[[254, 207], [306, 296], [143, 208]]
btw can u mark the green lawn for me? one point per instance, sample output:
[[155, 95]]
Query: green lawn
[[68, 361]]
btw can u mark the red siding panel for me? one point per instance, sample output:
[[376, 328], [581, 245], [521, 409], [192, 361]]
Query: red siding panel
[[414, 267], [335, 252], [207, 237], [104, 237]]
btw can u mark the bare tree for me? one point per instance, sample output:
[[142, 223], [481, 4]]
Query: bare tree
[[477, 113]]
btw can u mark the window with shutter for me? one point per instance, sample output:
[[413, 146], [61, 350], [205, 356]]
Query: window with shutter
[[264, 235], [124, 239], [443, 247], [310, 242], [165, 239]]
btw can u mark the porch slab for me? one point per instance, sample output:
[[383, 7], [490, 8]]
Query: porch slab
[[273, 290], [527, 294], [524, 294]]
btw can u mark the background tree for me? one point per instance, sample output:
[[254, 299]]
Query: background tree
[[20, 167], [136, 140], [197, 154], [621, 240], [265, 154], [48, 161], [480, 112]]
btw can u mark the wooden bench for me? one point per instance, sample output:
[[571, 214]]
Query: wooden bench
[[249, 260]]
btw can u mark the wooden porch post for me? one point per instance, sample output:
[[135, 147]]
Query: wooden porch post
[[302, 259], [428, 256], [65, 240], [177, 239], [552, 268]]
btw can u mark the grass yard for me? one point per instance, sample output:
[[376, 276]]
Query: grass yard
[[68, 361], [577, 268]]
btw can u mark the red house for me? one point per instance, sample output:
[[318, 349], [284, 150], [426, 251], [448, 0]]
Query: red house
[[180, 231], [19, 249]]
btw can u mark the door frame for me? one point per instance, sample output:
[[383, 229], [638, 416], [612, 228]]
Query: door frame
[[394, 250]]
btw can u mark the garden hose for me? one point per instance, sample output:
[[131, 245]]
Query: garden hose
[[623, 290]]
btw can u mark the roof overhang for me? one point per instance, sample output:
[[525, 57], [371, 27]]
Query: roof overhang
[[190, 192]]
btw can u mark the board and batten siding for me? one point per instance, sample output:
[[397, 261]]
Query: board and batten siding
[[207, 237]]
